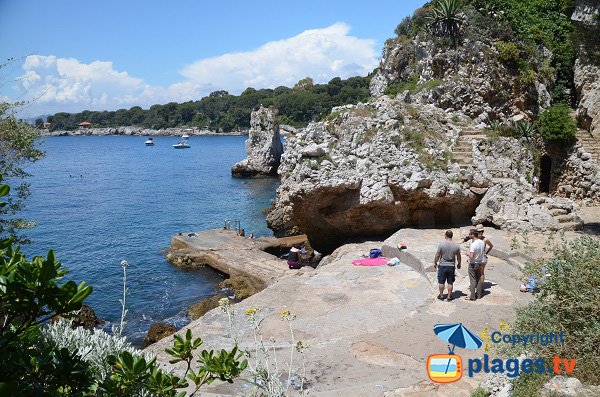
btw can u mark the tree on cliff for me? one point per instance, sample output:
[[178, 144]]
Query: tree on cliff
[[17, 148]]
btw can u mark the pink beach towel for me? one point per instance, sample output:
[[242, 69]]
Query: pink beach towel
[[381, 261]]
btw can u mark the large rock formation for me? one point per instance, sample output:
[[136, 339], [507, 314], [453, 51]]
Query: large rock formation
[[422, 155], [263, 147], [587, 66], [471, 79], [373, 168], [515, 207]]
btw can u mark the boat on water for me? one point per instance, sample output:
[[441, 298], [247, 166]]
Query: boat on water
[[183, 144], [149, 142], [185, 136]]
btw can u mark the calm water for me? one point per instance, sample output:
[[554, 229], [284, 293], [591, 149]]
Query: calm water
[[99, 200]]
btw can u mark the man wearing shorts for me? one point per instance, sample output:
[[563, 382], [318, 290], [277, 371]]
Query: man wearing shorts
[[446, 258]]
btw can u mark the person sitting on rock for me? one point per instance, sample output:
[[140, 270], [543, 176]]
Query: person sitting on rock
[[293, 259], [446, 257]]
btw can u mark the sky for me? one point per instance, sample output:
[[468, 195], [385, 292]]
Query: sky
[[72, 55]]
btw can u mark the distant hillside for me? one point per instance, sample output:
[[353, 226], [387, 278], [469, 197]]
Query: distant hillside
[[221, 111]]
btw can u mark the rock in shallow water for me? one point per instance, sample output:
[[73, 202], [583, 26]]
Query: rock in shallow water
[[157, 332]]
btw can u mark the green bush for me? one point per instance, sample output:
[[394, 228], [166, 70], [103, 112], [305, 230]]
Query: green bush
[[403, 85], [508, 52], [479, 392], [545, 22], [568, 301], [556, 125]]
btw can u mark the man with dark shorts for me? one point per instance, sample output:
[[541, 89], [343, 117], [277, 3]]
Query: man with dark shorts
[[446, 258], [476, 256]]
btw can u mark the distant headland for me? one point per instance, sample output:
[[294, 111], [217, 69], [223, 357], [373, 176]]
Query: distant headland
[[139, 131]]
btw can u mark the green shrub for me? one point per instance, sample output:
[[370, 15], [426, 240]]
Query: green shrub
[[556, 125], [508, 52], [480, 392], [404, 27], [528, 76], [545, 22], [431, 84], [528, 385], [568, 301], [403, 85]]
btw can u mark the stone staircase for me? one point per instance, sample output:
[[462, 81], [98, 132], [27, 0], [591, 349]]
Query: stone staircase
[[463, 150], [590, 144], [566, 219]]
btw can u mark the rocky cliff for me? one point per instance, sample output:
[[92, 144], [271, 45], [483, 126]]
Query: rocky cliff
[[587, 67], [263, 147], [425, 150], [472, 79]]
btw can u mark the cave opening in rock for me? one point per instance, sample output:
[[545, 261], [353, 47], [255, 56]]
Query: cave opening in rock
[[545, 173]]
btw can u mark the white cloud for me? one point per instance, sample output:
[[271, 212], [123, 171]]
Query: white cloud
[[61, 84]]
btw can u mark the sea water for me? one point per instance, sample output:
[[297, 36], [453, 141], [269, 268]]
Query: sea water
[[100, 200]]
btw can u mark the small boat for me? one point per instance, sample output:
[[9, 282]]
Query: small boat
[[182, 145], [185, 136], [185, 133], [149, 142]]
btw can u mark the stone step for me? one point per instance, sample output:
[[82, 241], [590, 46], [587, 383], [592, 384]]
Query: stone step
[[502, 180], [558, 211], [462, 159], [566, 218], [472, 136], [462, 154], [463, 149], [572, 226]]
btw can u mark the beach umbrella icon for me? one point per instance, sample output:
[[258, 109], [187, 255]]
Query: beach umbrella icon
[[457, 335]]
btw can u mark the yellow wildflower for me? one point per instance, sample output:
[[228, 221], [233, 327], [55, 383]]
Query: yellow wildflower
[[251, 311]]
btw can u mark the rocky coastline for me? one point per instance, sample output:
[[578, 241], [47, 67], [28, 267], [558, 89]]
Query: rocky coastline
[[138, 131]]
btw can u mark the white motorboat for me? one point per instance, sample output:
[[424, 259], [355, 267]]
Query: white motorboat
[[149, 142], [185, 136], [182, 145]]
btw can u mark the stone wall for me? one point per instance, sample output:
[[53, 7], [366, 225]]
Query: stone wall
[[578, 177], [504, 158]]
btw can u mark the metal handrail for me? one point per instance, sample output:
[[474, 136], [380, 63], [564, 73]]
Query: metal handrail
[[231, 222]]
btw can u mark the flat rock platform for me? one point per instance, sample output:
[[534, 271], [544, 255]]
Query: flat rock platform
[[369, 330]]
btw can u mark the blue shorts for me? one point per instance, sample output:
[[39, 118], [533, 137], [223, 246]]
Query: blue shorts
[[446, 273]]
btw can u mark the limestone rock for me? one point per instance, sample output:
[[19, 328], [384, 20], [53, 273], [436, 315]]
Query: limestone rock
[[586, 12], [263, 147], [513, 207], [562, 386], [360, 175], [470, 79], [85, 317], [587, 70], [157, 332], [199, 309]]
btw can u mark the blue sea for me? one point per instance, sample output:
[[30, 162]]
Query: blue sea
[[100, 200]]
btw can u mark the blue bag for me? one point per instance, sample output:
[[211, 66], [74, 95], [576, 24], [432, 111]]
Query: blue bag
[[375, 253]]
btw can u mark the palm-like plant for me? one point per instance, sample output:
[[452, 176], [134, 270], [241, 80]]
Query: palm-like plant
[[445, 19], [524, 129]]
